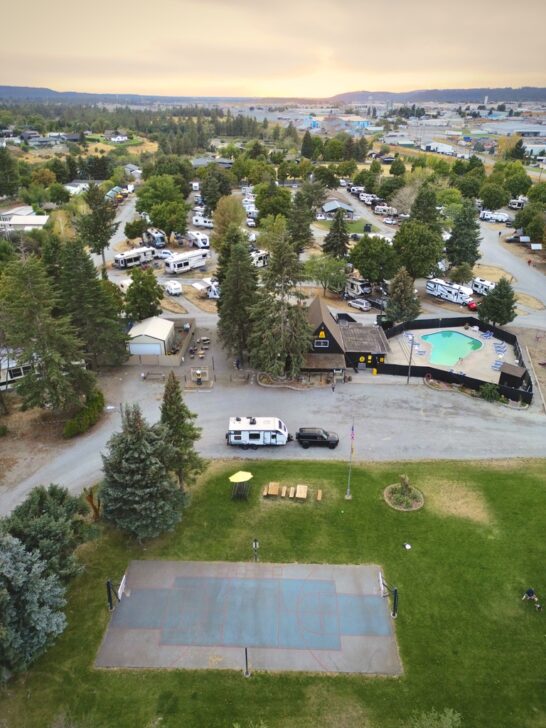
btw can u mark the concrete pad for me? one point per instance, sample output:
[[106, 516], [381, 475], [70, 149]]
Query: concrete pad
[[291, 617]]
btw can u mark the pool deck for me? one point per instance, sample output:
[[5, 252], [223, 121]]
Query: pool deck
[[476, 364]]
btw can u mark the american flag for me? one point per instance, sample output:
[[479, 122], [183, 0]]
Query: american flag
[[352, 439]]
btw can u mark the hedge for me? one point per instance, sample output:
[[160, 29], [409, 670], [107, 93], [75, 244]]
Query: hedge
[[86, 417]]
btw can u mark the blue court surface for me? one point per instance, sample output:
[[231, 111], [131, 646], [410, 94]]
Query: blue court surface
[[289, 617]]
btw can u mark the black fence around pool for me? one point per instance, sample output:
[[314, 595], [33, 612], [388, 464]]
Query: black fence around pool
[[523, 394]]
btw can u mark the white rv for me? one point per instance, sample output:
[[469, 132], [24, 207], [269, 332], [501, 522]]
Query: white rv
[[198, 240], [11, 371], [356, 189], [154, 237], [518, 203], [201, 221], [253, 432], [134, 257], [260, 258], [207, 288], [195, 186], [482, 286], [449, 291], [182, 262], [385, 210], [356, 287]]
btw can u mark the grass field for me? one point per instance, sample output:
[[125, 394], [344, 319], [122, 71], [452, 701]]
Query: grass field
[[354, 226], [466, 639]]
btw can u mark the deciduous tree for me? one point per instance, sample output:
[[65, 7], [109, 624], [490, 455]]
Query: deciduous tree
[[326, 271], [143, 297], [493, 196], [170, 217], [374, 258], [418, 248], [229, 211], [156, 190], [272, 200], [96, 228]]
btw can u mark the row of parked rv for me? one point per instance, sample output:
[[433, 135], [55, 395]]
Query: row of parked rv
[[489, 216], [457, 293]]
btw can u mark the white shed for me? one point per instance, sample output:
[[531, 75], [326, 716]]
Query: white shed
[[152, 337]]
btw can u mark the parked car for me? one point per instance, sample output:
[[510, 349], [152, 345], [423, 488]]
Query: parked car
[[403, 216], [163, 254], [472, 305], [361, 304], [316, 437], [250, 222], [390, 221], [173, 288]]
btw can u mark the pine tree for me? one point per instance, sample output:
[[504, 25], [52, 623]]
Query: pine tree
[[138, 494], [143, 296], [233, 236], [9, 174], [424, 208], [28, 302], [30, 607], [307, 146], [91, 309], [238, 296], [463, 245], [182, 433], [499, 306], [403, 304], [51, 522], [336, 243], [299, 221], [97, 227]]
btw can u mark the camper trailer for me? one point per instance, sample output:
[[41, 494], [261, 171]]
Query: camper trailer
[[195, 186], [201, 221], [207, 288], [132, 258], [154, 237], [182, 262], [253, 432], [356, 287], [260, 258], [482, 286], [385, 210], [10, 371], [198, 240], [448, 291], [518, 203]]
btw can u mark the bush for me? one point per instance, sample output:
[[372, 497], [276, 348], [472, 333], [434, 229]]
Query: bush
[[86, 417], [489, 392], [3, 430]]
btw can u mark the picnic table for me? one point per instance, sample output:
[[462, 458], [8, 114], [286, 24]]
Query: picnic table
[[301, 492], [272, 489]]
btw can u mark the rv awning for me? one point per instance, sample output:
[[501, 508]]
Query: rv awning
[[323, 362]]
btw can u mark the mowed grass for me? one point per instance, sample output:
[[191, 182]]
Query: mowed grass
[[466, 639], [353, 226]]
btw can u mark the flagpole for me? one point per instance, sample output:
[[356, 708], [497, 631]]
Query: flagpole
[[348, 495]]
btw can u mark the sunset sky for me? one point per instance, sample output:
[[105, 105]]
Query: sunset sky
[[274, 48]]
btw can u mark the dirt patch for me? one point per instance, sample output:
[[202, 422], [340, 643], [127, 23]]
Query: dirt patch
[[492, 273], [167, 304], [452, 498], [529, 301], [537, 257], [205, 304]]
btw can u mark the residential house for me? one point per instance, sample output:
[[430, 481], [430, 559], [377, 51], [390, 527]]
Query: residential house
[[10, 222], [205, 161], [133, 171]]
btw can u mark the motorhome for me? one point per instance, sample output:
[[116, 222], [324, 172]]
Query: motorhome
[[201, 221], [485, 215], [482, 286], [195, 186], [246, 432], [356, 287], [448, 291], [356, 189], [154, 237], [385, 210], [260, 258], [198, 240], [518, 203], [182, 262], [499, 217], [132, 258]]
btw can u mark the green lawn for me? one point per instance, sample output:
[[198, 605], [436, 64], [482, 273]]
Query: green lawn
[[467, 641], [355, 226]]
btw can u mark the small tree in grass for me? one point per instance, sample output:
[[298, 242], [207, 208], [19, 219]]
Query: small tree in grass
[[138, 493], [461, 273], [336, 243], [182, 433], [499, 306]]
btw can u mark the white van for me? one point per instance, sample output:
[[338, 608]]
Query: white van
[[201, 221], [246, 432], [195, 186]]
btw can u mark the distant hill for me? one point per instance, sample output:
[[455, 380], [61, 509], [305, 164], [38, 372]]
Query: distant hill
[[450, 95], [20, 94]]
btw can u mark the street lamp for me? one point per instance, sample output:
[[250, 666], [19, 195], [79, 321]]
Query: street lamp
[[412, 339], [255, 547]]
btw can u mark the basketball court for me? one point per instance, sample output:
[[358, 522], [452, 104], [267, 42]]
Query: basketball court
[[198, 615]]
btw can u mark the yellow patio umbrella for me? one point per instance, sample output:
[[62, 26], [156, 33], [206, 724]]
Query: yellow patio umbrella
[[241, 476]]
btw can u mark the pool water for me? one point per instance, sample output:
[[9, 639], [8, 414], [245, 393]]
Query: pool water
[[450, 346]]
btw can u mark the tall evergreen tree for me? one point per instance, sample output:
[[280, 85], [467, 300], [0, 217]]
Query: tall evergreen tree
[[143, 296], [97, 227], [424, 208], [51, 522], [403, 304], [300, 218], [30, 607], [238, 296], [9, 174], [28, 302], [91, 309], [233, 236], [499, 306], [138, 494], [307, 146], [182, 433], [463, 245], [336, 243]]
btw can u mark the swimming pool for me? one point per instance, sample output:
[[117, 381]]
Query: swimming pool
[[450, 346]]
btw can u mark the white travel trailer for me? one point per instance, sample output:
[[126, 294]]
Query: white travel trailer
[[482, 286], [182, 262], [154, 237], [207, 288], [260, 258], [201, 221], [253, 432], [449, 291], [132, 258], [198, 240], [195, 186], [385, 210], [518, 203], [10, 370], [356, 287]]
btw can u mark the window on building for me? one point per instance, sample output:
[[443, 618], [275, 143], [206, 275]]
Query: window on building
[[321, 343]]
